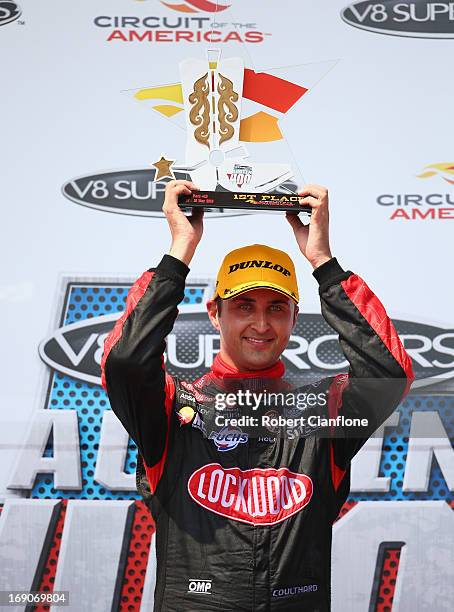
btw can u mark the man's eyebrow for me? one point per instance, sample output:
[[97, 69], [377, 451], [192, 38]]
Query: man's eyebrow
[[240, 298]]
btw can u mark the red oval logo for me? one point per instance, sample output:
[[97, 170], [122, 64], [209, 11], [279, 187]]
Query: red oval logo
[[257, 496]]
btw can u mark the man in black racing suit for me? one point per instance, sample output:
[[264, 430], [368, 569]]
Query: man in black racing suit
[[244, 521]]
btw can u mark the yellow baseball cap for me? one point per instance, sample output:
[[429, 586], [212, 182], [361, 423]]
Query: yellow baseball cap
[[253, 267]]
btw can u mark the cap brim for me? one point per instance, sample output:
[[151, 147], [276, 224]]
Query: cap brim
[[256, 285]]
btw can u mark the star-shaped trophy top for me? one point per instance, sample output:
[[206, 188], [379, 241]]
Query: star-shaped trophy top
[[163, 168]]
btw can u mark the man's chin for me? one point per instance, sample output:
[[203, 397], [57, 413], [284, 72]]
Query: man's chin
[[259, 361]]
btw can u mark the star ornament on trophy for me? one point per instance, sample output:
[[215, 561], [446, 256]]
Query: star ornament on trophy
[[227, 146]]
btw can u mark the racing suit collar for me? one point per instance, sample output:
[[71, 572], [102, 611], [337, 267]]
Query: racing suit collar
[[221, 369]]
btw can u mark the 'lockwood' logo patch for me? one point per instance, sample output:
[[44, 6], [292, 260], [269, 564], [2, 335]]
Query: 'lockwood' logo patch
[[257, 496]]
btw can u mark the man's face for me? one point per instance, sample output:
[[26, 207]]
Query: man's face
[[255, 327]]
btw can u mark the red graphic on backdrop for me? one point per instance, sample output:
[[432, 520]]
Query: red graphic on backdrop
[[195, 6]]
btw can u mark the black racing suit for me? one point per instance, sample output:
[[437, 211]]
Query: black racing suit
[[246, 524]]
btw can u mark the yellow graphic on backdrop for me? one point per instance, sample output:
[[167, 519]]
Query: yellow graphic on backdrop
[[439, 169]]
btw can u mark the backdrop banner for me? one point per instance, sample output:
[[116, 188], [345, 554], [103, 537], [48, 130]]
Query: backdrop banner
[[94, 124]]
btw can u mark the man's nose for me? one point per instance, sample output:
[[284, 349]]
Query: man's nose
[[260, 323]]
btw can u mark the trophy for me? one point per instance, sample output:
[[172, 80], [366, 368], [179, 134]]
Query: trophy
[[216, 157]]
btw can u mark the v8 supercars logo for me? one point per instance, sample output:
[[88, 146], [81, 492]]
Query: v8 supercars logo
[[9, 11], [313, 351], [418, 19]]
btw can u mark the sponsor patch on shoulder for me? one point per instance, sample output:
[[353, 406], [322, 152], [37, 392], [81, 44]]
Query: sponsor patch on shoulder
[[186, 415], [199, 423]]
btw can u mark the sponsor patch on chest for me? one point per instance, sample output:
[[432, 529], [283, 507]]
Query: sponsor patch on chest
[[228, 438], [260, 496]]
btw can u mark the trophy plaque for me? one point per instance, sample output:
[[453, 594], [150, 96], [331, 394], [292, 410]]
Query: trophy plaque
[[244, 201]]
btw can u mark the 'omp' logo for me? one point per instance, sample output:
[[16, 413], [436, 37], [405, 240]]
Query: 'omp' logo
[[445, 170], [200, 586], [9, 11], [196, 6], [418, 19]]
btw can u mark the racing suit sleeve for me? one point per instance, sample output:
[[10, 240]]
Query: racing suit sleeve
[[140, 391], [380, 370]]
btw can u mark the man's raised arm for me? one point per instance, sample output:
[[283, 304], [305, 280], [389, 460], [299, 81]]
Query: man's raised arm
[[133, 374], [380, 370]]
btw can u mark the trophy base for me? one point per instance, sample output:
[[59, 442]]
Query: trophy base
[[244, 201]]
